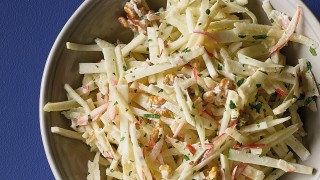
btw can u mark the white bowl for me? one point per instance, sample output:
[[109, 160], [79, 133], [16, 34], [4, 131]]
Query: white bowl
[[98, 18]]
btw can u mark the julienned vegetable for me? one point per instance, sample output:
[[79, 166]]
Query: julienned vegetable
[[201, 92]]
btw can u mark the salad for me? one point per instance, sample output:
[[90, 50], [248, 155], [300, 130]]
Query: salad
[[202, 91]]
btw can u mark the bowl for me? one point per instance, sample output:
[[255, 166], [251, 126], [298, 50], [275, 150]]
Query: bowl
[[98, 18]]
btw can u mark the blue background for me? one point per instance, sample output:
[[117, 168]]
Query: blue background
[[28, 29]]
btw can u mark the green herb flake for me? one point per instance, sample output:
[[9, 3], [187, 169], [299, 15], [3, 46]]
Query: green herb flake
[[89, 118], [256, 37], [309, 66], [97, 66], [200, 88], [240, 82], [186, 50], [193, 106], [219, 66], [186, 157], [145, 135], [271, 20], [114, 74], [208, 11], [313, 51], [143, 17], [242, 36], [160, 91], [258, 107], [149, 40], [159, 138], [115, 103], [122, 138], [232, 105], [154, 116], [258, 85], [95, 85], [130, 172], [124, 67]]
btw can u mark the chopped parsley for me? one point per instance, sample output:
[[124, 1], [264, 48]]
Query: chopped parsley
[[186, 50], [232, 105], [124, 67], [309, 66], [149, 40], [111, 170], [313, 51], [240, 82], [122, 138], [115, 103], [159, 137], [89, 118], [143, 17], [130, 173], [200, 88], [186, 157], [258, 124], [97, 66], [259, 37], [242, 36], [271, 20], [258, 85], [95, 85], [257, 107], [208, 11], [161, 90], [154, 116], [219, 66]]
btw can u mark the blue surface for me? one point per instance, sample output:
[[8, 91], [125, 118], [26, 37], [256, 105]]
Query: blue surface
[[28, 29]]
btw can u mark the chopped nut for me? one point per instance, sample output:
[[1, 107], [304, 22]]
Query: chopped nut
[[137, 13], [161, 112], [169, 79], [219, 94], [156, 101], [227, 84], [165, 171], [214, 174]]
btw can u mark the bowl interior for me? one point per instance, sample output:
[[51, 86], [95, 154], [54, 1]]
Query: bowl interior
[[68, 158]]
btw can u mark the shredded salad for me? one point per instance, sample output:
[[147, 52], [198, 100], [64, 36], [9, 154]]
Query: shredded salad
[[200, 92]]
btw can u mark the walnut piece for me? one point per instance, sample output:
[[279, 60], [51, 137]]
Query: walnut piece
[[169, 79], [214, 173], [218, 95], [156, 101], [136, 18]]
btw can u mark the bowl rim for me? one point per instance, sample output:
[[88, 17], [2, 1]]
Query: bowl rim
[[69, 25], [80, 12]]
